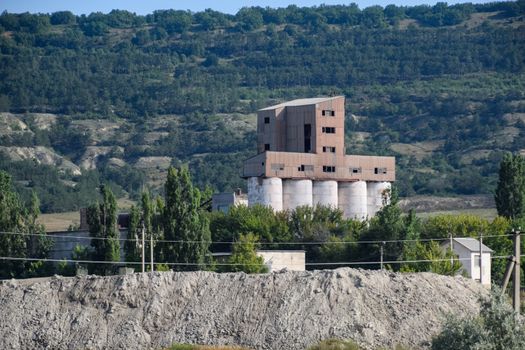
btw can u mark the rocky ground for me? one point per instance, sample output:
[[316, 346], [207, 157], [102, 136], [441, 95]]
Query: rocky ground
[[287, 310]]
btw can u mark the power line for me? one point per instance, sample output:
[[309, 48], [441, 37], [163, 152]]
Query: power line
[[238, 264], [237, 242]]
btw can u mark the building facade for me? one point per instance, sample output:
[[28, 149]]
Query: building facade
[[302, 160], [468, 251]]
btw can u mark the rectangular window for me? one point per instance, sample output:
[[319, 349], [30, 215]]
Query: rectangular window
[[328, 169], [266, 120], [305, 168], [379, 170], [307, 138], [355, 170], [476, 260], [328, 149], [328, 130], [277, 167], [266, 146], [328, 113]]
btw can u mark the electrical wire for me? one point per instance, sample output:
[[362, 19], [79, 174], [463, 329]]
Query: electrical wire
[[123, 263], [237, 242]]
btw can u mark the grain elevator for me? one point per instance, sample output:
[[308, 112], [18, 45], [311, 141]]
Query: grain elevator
[[302, 160]]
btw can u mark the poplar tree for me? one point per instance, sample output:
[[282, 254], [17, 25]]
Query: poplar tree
[[184, 222], [11, 245], [132, 245], [510, 191], [20, 234], [102, 220]]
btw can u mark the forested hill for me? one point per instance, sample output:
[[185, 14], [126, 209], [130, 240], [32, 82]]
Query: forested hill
[[118, 97]]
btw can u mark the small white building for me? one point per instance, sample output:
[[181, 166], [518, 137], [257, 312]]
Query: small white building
[[468, 250], [275, 260]]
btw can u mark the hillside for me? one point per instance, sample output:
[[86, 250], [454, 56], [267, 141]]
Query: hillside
[[287, 310], [120, 97]]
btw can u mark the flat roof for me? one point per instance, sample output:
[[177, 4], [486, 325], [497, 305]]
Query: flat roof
[[301, 102]]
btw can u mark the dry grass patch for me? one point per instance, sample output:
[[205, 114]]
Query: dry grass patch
[[59, 221], [419, 150]]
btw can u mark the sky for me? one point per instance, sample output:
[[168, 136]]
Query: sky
[[143, 7]]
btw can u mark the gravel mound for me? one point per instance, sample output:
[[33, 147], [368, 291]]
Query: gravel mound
[[285, 310]]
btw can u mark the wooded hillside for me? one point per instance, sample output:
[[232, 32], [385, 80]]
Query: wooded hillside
[[122, 96]]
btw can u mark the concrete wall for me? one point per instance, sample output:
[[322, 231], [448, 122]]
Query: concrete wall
[[276, 260], [66, 241], [223, 201]]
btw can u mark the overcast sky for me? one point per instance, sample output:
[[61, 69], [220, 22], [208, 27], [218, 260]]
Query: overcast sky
[[148, 6]]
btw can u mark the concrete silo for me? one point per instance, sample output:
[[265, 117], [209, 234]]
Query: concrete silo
[[377, 195], [325, 193], [266, 191], [353, 199], [297, 193]]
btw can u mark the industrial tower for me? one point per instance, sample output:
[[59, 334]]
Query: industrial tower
[[301, 161]]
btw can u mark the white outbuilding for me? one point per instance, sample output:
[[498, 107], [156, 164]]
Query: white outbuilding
[[468, 251]]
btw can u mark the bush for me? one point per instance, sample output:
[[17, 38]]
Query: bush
[[336, 344], [496, 327]]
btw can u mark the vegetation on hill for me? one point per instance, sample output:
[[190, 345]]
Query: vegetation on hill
[[441, 87]]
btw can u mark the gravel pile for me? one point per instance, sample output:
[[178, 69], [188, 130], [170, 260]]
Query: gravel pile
[[286, 310]]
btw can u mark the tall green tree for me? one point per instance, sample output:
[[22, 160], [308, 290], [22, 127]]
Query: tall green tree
[[11, 245], [387, 225], [244, 255], [184, 222], [20, 234], [132, 248], [102, 220], [38, 244], [510, 191]]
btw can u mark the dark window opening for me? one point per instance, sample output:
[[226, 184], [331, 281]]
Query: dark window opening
[[328, 130], [266, 146], [307, 138], [328, 112], [379, 170], [305, 168], [355, 170], [328, 149], [266, 120], [328, 169]]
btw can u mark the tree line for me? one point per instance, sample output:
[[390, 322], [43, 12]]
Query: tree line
[[185, 233]]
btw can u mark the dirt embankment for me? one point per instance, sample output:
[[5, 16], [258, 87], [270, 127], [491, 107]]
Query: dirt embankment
[[288, 310]]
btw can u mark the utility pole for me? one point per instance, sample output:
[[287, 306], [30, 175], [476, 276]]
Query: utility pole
[[451, 250], [381, 261], [517, 268], [143, 243], [480, 259], [151, 250]]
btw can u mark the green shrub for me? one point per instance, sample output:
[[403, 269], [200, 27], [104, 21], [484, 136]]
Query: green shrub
[[182, 347], [497, 327], [335, 344]]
